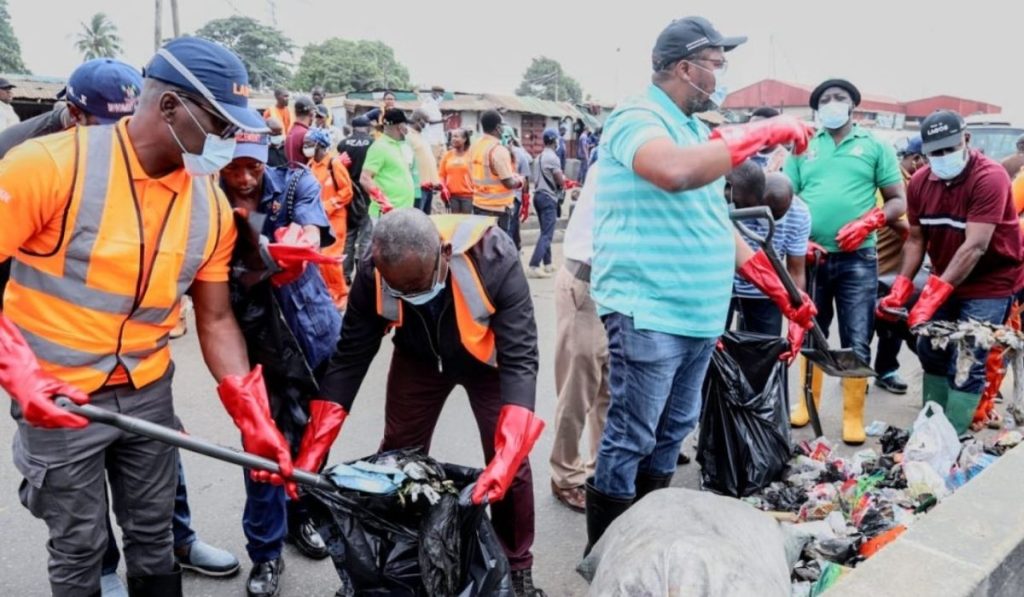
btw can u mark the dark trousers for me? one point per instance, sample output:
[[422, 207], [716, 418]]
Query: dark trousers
[[515, 224], [504, 217], [357, 241], [416, 393], [891, 336], [425, 201], [547, 213], [758, 315]]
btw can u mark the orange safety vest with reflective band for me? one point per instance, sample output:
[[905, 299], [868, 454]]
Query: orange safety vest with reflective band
[[473, 308], [488, 192], [85, 308]]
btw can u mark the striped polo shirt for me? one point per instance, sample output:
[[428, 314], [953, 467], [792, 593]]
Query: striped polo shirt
[[665, 259]]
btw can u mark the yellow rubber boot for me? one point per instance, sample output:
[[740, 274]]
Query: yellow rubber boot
[[854, 391], [800, 417]]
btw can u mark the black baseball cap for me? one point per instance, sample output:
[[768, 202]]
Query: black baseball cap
[[685, 36], [840, 83], [940, 130], [394, 116], [304, 105], [5, 84]]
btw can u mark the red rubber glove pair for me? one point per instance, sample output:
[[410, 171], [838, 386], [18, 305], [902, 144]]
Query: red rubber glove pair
[[758, 271], [524, 210], [852, 235], [30, 387], [518, 429], [245, 399], [744, 140], [382, 200], [292, 251], [935, 293], [325, 420]]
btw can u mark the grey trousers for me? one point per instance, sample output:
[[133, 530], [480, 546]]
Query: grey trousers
[[65, 473]]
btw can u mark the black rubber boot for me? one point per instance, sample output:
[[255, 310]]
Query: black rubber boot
[[157, 585], [601, 511], [647, 483]]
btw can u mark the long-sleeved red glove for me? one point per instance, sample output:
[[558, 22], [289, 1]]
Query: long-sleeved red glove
[[744, 140], [325, 419], [853, 234], [446, 195], [518, 429], [382, 200], [245, 399], [899, 294], [759, 272], [346, 159], [935, 292], [524, 209], [33, 389]]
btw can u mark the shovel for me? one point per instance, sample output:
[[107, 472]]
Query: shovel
[[181, 440], [841, 362]]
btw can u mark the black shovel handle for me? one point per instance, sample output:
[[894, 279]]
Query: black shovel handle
[[184, 441]]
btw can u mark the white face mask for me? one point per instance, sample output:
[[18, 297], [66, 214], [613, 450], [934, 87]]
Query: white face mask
[[217, 152], [308, 151], [834, 115], [277, 139]]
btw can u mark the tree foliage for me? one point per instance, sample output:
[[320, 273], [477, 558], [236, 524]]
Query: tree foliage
[[546, 79], [342, 65], [99, 38], [262, 48], [10, 49]]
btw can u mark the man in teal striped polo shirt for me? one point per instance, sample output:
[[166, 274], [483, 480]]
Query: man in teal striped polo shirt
[[664, 258]]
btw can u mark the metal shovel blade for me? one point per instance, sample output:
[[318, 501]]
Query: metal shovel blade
[[838, 363]]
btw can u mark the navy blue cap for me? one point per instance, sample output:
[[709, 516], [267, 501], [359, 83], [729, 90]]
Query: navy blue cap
[[550, 135], [105, 88], [361, 122], [212, 72], [251, 145], [914, 146]]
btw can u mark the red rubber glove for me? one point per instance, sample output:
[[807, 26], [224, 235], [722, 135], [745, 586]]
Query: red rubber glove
[[427, 186], [524, 210], [935, 292], [571, 184], [446, 195], [382, 200], [518, 429], [346, 159], [744, 140], [290, 252], [30, 387], [245, 399], [325, 419], [759, 272], [795, 336], [853, 234], [899, 294], [815, 253]]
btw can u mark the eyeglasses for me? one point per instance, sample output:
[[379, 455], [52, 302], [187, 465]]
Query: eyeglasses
[[228, 130], [411, 296]]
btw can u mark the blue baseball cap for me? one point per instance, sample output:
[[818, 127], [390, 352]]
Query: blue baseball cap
[[914, 146], [550, 135], [105, 88], [319, 137], [210, 71], [253, 145]]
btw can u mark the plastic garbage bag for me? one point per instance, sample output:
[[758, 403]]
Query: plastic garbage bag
[[398, 544], [933, 441], [841, 550], [830, 575], [686, 542], [744, 430], [894, 439], [923, 480]]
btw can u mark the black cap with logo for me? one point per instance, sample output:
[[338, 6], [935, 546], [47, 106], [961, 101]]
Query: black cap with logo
[[685, 36], [941, 130]]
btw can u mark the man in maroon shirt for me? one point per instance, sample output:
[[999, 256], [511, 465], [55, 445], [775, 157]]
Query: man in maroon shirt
[[961, 213], [304, 110]]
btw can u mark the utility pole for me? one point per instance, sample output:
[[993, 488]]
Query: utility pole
[[157, 30], [175, 22]]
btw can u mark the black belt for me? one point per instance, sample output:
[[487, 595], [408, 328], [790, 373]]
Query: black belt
[[578, 269]]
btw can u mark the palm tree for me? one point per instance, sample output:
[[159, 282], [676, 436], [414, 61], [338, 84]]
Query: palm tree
[[98, 38]]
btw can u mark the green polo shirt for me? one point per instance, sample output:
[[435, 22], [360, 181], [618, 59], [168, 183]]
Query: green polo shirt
[[838, 183], [390, 161]]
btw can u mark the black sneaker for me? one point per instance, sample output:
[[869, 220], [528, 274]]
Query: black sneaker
[[522, 584], [265, 579], [892, 382]]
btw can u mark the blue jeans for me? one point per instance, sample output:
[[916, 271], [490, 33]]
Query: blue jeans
[[850, 281], [425, 201], [547, 214], [655, 384], [758, 315], [264, 520], [943, 362]]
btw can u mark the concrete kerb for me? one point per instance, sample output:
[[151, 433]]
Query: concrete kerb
[[971, 544]]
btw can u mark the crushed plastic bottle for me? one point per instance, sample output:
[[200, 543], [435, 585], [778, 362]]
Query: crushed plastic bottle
[[876, 428]]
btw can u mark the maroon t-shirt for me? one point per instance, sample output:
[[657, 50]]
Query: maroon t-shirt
[[293, 143], [942, 208]]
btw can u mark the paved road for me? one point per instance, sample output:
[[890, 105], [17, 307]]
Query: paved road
[[216, 489]]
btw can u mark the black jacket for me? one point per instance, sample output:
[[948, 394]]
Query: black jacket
[[430, 332]]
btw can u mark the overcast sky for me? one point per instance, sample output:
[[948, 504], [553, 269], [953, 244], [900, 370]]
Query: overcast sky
[[895, 48]]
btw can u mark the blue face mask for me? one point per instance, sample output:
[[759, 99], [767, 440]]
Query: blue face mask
[[834, 115], [949, 166], [717, 96], [217, 152]]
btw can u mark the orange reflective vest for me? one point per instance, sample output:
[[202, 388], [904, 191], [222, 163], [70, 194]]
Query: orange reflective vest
[[473, 308], [89, 306], [488, 192]]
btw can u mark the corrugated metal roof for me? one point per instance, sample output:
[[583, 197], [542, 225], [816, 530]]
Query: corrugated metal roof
[[473, 102], [33, 87]]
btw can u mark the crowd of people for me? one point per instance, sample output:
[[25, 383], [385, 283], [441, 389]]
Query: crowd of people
[[303, 243]]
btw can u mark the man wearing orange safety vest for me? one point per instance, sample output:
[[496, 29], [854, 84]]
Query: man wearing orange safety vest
[[336, 195], [494, 178], [109, 226], [452, 289]]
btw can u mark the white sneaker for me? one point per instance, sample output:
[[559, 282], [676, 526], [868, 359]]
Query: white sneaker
[[550, 268], [536, 272], [111, 586]]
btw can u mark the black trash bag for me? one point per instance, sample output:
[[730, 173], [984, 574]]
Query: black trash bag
[[786, 498], [389, 545], [744, 428], [841, 550], [894, 439]]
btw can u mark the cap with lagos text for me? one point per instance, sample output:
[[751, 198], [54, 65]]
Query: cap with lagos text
[[941, 130], [685, 36], [210, 71], [105, 88]]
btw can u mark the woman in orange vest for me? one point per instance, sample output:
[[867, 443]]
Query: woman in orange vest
[[454, 173], [336, 194]]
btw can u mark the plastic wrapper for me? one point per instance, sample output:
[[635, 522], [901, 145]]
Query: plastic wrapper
[[743, 444], [830, 575], [923, 480], [933, 441], [841, 550], [894, 439]]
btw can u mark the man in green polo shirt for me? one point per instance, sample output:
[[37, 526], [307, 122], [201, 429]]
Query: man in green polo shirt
[[387, 171], [838, 178]]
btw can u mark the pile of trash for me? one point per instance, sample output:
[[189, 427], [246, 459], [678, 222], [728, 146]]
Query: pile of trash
[[843, 510]]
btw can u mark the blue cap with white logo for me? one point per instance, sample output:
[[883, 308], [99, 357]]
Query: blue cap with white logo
[[105, 88], [210, 71]]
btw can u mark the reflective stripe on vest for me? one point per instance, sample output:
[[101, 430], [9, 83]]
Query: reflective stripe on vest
[[473, 308], [488, 191], [79, 331]]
